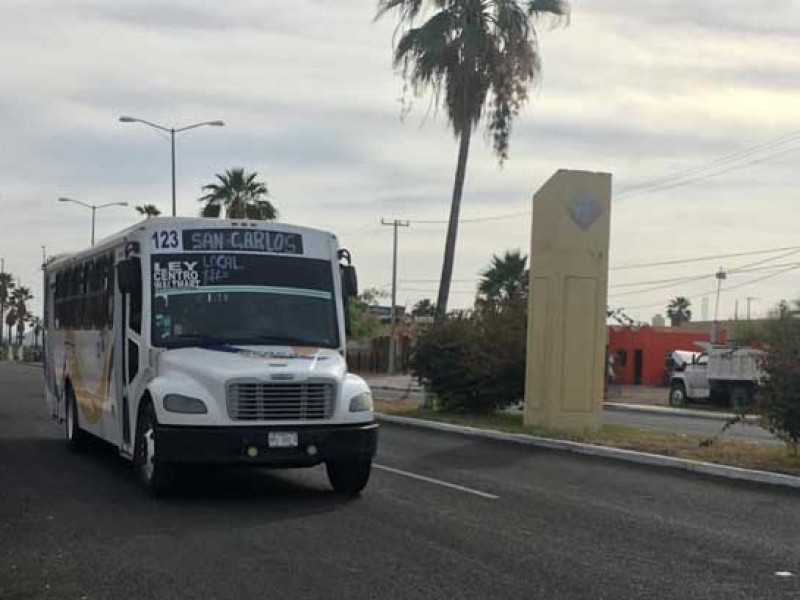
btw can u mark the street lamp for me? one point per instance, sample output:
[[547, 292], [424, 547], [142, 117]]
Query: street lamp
[[94, 208], [171, 131]]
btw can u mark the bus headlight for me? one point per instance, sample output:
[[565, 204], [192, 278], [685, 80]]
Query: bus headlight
[[361, 403], [184, 404]]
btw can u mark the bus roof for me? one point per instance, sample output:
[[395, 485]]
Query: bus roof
[[107, 243]]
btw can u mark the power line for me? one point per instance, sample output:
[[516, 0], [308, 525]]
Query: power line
[[681, 183], [701, 258], [676, 179], [723, 160], [728, 289]]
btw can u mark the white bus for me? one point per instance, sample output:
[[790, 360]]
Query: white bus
[[189, 340]]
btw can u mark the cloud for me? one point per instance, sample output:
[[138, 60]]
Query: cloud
[[310, 101]]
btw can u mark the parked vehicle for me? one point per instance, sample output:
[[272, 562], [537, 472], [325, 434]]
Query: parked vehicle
[[728, 376]]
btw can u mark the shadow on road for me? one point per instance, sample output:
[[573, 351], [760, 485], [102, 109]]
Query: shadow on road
[[41, 475]]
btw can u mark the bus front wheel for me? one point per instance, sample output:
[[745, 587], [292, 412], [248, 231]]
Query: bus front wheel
[[349, 476], [153, 477]]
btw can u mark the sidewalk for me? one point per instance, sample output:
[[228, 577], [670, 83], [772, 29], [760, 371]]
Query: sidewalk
[[649, 402]]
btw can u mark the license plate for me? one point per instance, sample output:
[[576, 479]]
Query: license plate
[[282, 439]]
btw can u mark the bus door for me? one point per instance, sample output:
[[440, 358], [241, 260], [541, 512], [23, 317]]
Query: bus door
[[131, 384]]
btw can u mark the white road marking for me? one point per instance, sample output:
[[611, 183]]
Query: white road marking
[[784, 573], [452, 486]]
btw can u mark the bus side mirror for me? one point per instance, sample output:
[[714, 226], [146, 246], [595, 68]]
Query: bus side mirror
[[129, 275], [349, 281]]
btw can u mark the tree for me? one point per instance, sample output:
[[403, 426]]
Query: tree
[[678, 311], [36, 325], [6, 288], [505, 280], [240, 194], [778, 397], [474, 363], [19, 300], [148, 210], [11, 320], [363, 324], [472, 54], [424, 308]]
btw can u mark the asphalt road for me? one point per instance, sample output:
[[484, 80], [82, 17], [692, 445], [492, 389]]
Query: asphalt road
[[489, 521]]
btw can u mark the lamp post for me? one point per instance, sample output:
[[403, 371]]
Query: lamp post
[[171, 131], [94, 208]]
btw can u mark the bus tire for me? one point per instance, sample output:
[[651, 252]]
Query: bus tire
[[349, 477], [677, 394], [77, 439], [154, 477]]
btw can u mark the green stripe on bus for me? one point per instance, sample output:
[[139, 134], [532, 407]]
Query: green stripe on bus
[[255, 289]]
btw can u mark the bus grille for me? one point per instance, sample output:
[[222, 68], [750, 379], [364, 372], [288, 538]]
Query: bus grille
[[280, 401]]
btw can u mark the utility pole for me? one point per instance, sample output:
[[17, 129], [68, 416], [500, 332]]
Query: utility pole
[[720, 275], [392, 350], [749, 300]]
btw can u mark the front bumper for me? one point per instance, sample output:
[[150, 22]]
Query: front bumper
[[230, 445]]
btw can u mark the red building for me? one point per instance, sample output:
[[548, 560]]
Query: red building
[[640, 353]]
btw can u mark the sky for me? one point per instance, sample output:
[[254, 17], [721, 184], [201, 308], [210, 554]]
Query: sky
[[310, 101]]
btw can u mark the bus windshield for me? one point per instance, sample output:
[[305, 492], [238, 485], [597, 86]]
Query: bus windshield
[[205, 299]]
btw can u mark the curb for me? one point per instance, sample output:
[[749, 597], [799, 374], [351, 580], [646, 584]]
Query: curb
[[668, 411], [643, 458]]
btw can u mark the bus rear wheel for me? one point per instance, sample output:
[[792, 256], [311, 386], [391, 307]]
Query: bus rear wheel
[[77, 438], [153, 476], [349, 476]]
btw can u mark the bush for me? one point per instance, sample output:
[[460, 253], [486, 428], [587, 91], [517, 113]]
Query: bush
[[474, 363], [779, 396]]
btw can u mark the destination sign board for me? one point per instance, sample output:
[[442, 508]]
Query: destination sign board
[[242, 240]]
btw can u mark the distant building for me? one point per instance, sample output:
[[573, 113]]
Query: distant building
[[639, 354], [384, 313], [659, 321]]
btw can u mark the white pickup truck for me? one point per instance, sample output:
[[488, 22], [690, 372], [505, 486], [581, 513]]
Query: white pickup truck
[[726, 375]]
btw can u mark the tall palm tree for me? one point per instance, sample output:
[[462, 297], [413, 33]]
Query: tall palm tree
[[240, 194], [147, 210], [476, 56], [678, 311], [11, 320], [6, 288], [36, 325], [505, 280], [19, 299]]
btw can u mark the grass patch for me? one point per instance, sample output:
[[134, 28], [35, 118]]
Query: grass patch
[[736, 453]]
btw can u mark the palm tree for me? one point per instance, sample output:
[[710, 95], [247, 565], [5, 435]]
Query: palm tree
[[147, 210], [11, 320], [36, 324], [472, 54], [19, 300], [424, 308], [505, 280], [240, 194], [678, 311], [6, 288]]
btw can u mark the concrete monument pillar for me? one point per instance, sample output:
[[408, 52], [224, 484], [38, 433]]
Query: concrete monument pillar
[[567, 308]]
